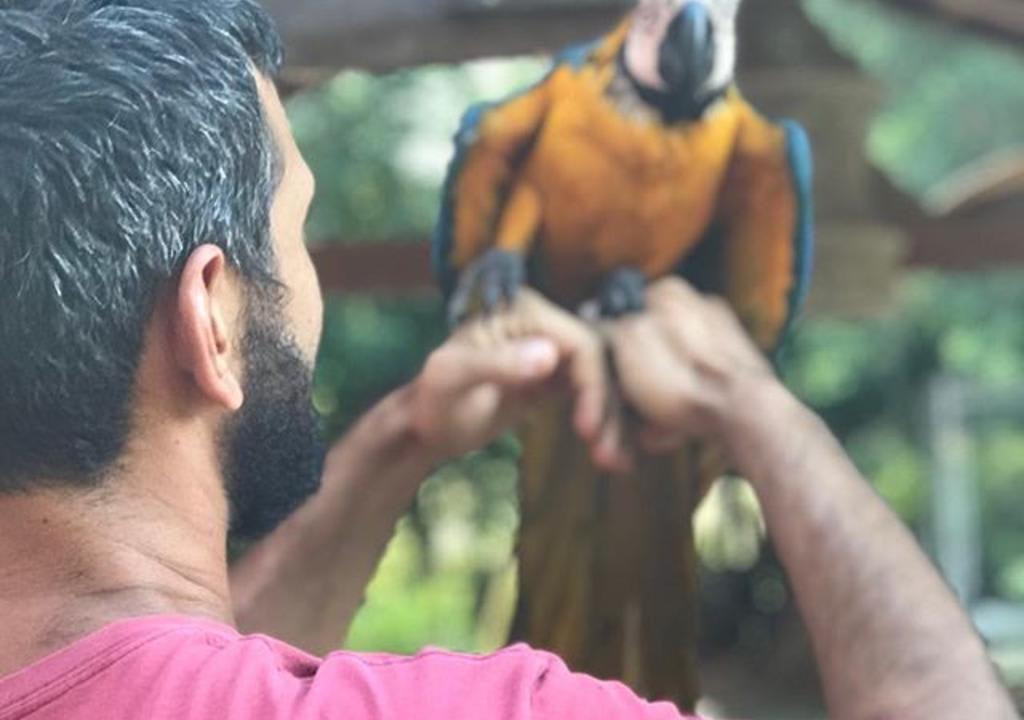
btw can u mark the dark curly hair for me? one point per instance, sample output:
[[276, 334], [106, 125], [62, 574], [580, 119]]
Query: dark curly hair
[[131, 132]]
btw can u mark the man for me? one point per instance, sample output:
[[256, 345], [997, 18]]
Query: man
[[160, 321]]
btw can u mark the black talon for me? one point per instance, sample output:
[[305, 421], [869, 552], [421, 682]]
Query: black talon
[[488, 284], [623, 293]]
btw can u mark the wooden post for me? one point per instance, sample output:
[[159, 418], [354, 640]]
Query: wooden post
[[956, 505]]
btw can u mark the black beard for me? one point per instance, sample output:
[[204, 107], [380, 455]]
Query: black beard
[[273, 454]]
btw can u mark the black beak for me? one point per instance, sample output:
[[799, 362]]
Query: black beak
[[688, 52]]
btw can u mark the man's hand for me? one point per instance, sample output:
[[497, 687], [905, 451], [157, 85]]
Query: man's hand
[[686, 366], [890, 638], [494, 369]]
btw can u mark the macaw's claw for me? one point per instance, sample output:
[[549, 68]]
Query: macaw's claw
[[487, 285], [624, 292]]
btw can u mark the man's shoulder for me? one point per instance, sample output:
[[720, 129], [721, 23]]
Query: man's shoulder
[[437, 683], [516, 683], [184, 668], [156, 667]]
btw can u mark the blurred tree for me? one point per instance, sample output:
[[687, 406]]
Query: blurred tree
[[349, 131], [953, 97]]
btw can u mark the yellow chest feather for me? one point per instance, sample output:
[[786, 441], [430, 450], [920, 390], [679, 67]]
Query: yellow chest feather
[[620, 191]]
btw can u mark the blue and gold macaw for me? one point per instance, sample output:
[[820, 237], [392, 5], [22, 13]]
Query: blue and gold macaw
[[636, 157]]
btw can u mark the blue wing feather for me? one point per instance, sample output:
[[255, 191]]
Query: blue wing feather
[[700, 269], [575, 57], [801, 165]]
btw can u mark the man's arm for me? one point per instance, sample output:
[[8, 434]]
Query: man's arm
[[305, 582], [890, 638]]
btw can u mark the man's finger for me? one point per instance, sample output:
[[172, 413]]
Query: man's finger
[[649, 372], [518, 363], [671, 291], [611, 452], [582, 354]]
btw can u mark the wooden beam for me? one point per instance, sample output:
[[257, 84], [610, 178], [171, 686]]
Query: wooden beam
[[967, 245], [324, 36], [999, 19], [391, 269], [994, 180], [398, 269]]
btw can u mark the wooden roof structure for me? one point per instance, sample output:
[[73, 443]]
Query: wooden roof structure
[[1001, 20], [978, 217], [787, 68], [324, 36]]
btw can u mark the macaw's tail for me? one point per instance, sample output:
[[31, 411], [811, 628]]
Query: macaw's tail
[[607, 564]]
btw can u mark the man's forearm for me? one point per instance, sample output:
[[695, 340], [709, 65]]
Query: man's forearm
[[891, 640], [305, 582]]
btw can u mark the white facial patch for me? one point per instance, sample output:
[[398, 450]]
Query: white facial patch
[[723, 19], [643, 46]]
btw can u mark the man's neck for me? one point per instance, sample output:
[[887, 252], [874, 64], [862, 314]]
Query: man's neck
[[72, 562]]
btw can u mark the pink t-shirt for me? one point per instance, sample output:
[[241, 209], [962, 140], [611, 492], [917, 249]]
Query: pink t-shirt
[[175, 667]]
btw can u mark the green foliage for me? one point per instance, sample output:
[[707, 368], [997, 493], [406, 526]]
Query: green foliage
[[1000, 451], [444, 578], [952, 98], [349, 131], [370, 347], [868, 378], [407, 609]]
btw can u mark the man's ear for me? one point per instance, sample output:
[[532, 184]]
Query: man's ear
[[204, 337]]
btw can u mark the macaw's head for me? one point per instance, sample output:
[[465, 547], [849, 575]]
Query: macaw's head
[[681, 54]]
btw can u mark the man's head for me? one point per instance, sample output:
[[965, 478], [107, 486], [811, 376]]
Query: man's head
[[152, 270]]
